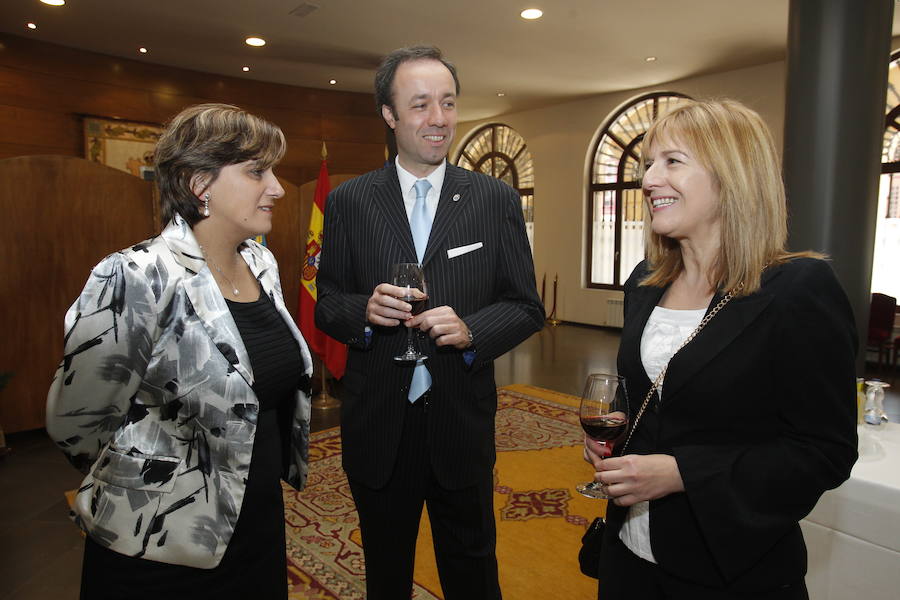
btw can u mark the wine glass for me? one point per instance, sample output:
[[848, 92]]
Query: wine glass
[[409, 276], [604, 417]]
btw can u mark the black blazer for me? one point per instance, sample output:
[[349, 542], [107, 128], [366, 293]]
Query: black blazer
[[759, 412], [492, 289]]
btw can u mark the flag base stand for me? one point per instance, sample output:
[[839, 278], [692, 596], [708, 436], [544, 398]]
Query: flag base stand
[[323, 400]]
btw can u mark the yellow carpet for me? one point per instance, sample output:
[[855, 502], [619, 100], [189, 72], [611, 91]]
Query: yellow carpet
[[540, 517]]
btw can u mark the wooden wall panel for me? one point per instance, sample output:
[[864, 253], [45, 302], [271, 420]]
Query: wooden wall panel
[[349, 128], [60, 85], [76, 213], [13, 150], [64, 131], [59, 61]]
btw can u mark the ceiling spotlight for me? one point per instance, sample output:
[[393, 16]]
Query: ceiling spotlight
[[332, 81], [255, 41], [245, 69], [54, 2], [531, 14], [650, 58], [31, 26], [501, 94], [142, 50]]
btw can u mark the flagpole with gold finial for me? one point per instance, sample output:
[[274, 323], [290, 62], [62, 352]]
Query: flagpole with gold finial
[[323, 399]]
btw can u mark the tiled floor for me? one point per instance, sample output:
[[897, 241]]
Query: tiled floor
[[40, 550]]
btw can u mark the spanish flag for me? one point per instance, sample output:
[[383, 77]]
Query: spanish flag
[[332, 352]]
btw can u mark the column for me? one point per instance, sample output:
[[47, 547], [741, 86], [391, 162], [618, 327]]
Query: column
[[837, 62]]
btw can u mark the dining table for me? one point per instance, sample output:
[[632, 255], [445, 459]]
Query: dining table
[[853, 533]]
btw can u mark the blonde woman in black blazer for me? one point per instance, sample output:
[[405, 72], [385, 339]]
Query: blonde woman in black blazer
[[756, 418]]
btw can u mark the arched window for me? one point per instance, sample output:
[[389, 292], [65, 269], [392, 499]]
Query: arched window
[[885, 267], [499, 151], [615, 228]]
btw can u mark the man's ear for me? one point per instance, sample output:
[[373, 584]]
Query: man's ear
[[388, 114]]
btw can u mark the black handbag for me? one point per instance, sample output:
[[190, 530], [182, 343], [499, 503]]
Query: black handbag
[[591, 543]]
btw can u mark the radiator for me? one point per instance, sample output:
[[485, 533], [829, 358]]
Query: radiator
[[614, 313]]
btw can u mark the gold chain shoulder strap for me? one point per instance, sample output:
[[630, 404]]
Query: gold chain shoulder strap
[[662, 374]]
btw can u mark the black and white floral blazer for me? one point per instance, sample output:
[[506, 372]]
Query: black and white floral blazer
[[153, 401]]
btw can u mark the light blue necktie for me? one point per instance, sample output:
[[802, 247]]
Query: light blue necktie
[[420, 224]]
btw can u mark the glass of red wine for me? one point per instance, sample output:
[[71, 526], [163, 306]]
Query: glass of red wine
[[604, 418], [409, 276]]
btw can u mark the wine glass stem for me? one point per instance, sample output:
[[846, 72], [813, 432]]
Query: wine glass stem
[[410, 345]]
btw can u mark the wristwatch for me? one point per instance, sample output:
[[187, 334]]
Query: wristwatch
[[471, 338]]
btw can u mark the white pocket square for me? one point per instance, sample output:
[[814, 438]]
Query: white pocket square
[[460, 250]]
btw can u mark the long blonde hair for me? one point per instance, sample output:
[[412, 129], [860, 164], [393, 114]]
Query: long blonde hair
[[734, 144]]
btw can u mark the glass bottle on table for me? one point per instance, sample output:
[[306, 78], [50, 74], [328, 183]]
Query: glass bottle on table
[[874, 414]]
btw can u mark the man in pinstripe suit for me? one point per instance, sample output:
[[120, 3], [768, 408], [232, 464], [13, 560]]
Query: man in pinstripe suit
[[415, 436]]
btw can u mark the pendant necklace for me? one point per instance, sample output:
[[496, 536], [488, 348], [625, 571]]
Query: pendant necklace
[[234, 289]]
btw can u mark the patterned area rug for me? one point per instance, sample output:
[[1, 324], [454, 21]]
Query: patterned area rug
[[540, 517]]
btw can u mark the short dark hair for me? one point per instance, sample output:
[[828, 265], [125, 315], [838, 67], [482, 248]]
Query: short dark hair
[[384, 76], [199, 141]]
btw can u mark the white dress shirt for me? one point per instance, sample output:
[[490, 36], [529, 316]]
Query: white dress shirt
[[408, 189]]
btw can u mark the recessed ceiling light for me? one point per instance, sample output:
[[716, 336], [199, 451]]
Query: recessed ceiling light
[[54, 2], [650, 58], [31, 26], [245, 69], [332, 81], [142, 50], [501, 94], [531, 14], [255, 41]]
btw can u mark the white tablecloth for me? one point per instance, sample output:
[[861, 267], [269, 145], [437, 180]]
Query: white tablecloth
[[853, 534]]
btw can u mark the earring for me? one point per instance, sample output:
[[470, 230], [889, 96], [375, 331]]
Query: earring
[[206, 204]]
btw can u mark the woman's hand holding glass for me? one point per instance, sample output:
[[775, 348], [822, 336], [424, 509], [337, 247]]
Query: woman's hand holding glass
[[636, 478], [603, 413]]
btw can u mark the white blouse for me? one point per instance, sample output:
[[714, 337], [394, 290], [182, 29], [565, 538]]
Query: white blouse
[[665, 331]]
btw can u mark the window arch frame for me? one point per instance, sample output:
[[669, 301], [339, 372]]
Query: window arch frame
[[509, 161], [892, 118], [619, 186]]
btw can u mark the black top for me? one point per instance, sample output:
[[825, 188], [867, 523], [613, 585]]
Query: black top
[[274, 355], [255, 562]]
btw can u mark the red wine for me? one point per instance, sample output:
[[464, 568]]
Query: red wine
[[604, 428], [418, 304]]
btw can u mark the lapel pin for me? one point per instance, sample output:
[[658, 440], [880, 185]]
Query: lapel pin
[[456, 197]]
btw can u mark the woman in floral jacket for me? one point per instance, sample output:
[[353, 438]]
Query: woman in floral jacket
[[183, 392]]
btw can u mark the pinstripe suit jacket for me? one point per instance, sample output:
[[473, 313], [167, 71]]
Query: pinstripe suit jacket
[[491, 288]]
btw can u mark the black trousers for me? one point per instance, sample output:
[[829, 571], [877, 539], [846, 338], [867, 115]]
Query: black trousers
[[626, 576], [462, 524]]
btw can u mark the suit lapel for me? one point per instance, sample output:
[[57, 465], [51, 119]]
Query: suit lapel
[[641, 303], [386, 195], [454, 197], [721, 330], [203, 292]]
